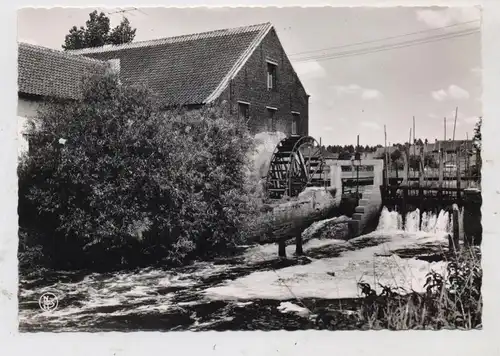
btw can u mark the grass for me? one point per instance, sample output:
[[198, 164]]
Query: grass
[[450, 301]]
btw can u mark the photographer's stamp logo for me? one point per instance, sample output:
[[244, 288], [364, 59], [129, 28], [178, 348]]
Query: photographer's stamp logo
[[48, 301]]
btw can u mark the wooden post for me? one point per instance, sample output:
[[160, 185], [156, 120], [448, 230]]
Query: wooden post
[[458, 174], [282, 247], [421, 207], [455, 240], [444, 142], [403, 205], [357, 168], [455, 124], [441, 168], [467, 162], [406, 168], [414, 138], [421, 169], [386, 163], [409, 154], [299, 250]]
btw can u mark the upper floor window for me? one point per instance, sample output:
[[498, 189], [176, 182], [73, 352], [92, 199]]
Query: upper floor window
[[295, 122], [243, 110], [271, 119], [272, 70]]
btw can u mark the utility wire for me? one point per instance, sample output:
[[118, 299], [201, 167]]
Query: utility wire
[[142, 12], [122, 11], [384, 38], [376, 49]]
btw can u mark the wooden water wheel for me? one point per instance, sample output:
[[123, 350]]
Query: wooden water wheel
[[296, 163]]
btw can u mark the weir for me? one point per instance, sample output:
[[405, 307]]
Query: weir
[[297, 176], [415, 222]]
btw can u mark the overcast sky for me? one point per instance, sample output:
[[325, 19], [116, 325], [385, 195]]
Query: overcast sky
[[367, 87]]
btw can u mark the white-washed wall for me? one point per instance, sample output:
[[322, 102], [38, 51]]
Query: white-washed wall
[[26, 109]]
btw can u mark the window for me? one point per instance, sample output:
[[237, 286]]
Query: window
[[271, 119], [295, 122], [243, 110], [272, 69]]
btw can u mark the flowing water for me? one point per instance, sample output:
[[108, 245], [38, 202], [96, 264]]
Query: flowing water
[[416, 222], [168, 299]]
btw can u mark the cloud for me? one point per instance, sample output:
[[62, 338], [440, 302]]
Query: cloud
[[354, 89], [439, 95], [453, 92], [309, 70], [347, 89], [449, 16], [370, 125], [371, 94]]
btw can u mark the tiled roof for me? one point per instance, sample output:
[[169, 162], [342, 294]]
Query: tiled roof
[[190, 69], [47, 72]]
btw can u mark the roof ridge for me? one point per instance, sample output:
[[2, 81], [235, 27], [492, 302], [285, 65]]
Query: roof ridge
[[173, 39], [60, 53]]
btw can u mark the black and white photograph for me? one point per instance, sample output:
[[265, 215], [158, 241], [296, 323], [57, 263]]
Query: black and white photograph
[[249, 168]]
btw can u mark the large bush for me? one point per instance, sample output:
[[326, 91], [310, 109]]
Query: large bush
[[113, 180]]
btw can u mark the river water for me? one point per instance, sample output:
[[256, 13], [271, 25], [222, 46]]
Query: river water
[[247, 292]]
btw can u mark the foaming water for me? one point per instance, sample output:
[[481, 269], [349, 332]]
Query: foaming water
[[441, 223]]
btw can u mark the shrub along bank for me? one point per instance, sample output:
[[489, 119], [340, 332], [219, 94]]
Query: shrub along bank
[[112, 181]]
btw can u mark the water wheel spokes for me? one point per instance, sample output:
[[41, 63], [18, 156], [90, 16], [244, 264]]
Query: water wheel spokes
[[296, 163]]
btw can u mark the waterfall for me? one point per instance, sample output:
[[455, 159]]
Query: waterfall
[[392, 221]]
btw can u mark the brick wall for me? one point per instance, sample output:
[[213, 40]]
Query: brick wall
[[250, 85]]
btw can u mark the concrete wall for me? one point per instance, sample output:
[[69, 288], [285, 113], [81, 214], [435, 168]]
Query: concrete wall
[[368, 208], [371, 202], [290, 218], [250, 86]]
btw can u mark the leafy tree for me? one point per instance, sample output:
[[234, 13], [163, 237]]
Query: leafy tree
[[75, 39], [97, 30], [112, 179], [122, 33], [97, 33], [396, 155], [396, 159], [477, 134]]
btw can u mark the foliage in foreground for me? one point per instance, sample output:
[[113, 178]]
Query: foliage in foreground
[[450, 301], [112, 180]]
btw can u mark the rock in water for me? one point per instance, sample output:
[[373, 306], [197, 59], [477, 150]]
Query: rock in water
[[334, 228]]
